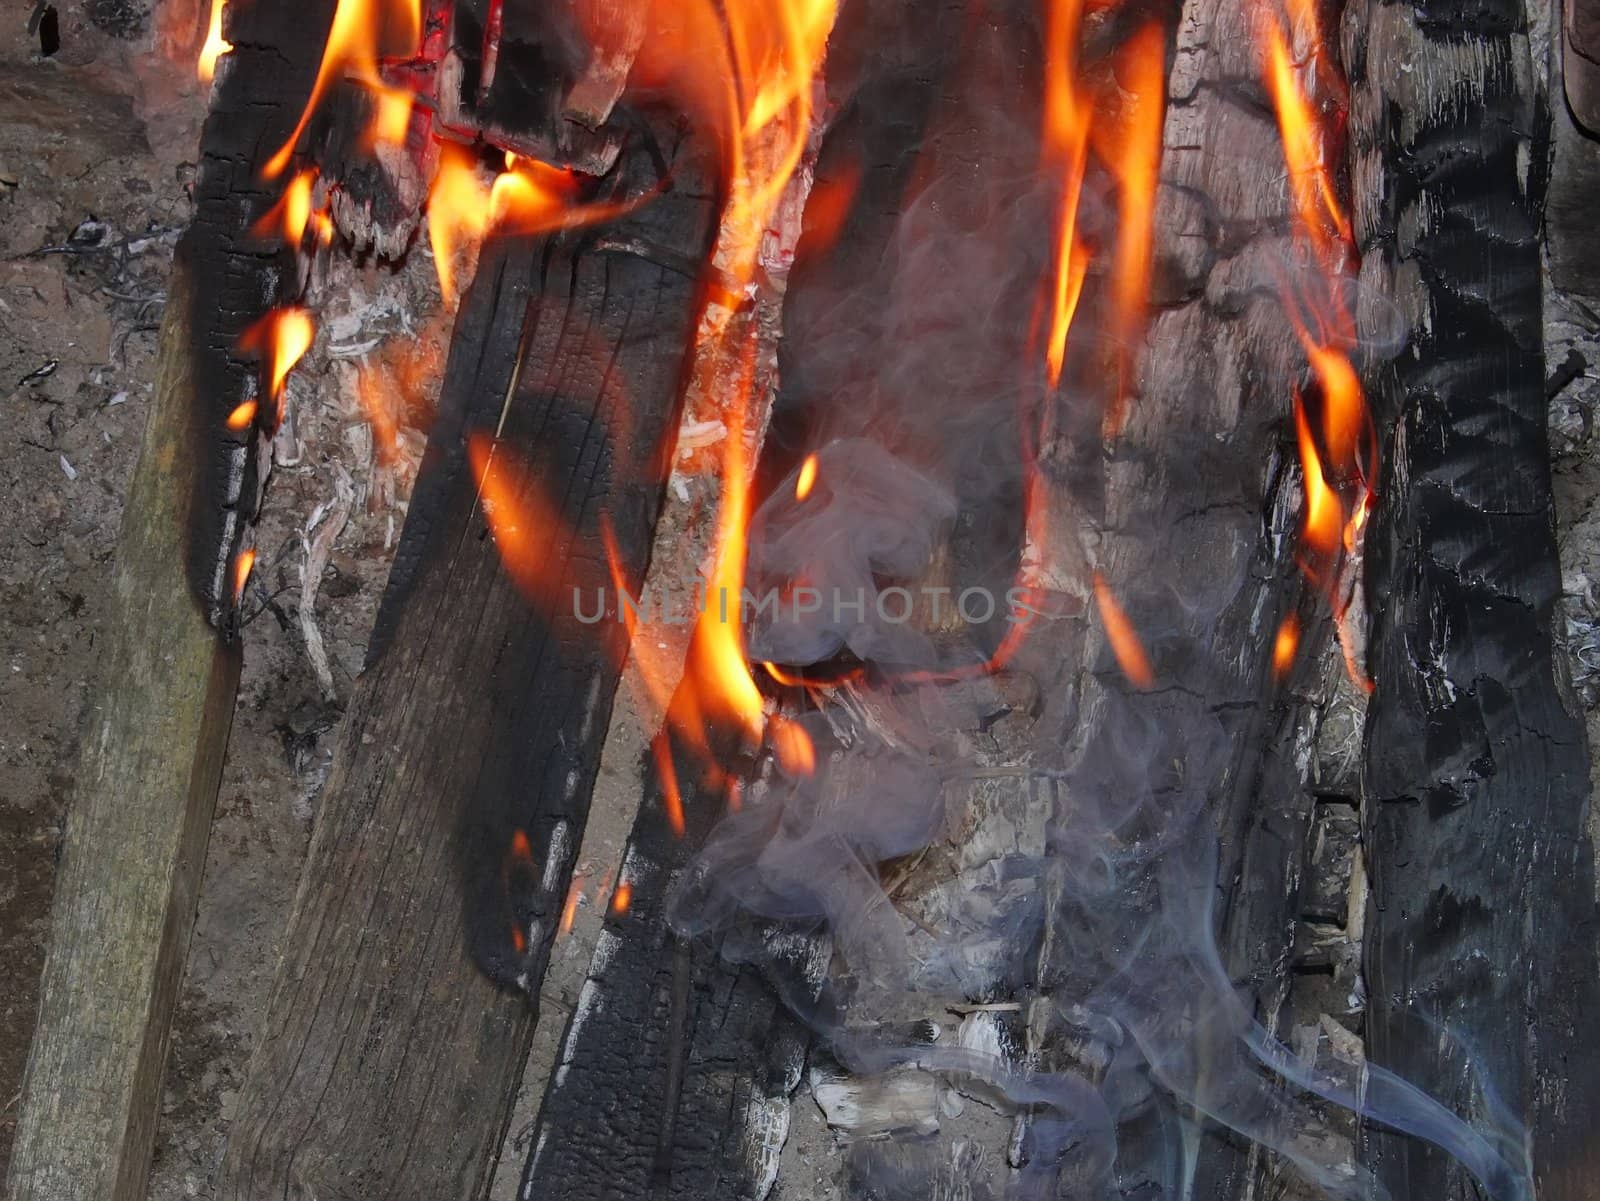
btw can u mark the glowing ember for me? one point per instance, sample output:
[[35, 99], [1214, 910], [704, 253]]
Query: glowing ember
[[569, 911], [242, 416], [1284, 646], [1120, 633], [621, 899], [807, 478], [280, 340], [214, 46]]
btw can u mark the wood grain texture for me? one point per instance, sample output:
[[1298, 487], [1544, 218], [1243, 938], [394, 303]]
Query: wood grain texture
[[461, 782], [1482, 930], [136, 833]]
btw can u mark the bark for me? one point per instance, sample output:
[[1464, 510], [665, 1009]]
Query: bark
[[460, 788], [1481, 938]]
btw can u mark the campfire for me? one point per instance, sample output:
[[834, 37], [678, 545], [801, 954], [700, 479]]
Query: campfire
[[1044, 506]]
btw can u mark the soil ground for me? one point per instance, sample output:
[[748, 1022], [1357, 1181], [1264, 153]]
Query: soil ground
[[93, 193]]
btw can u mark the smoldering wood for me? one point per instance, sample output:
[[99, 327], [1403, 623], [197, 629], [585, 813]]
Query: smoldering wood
[[134, 846], [1480, 952], [445, 842]]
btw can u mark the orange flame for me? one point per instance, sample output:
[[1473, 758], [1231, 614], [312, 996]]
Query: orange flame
[[671, 798], [242, 416], [241, 573], [359, 28], [289, 217], [280, 339], [569, 910], [529, 197], [806, 479], [1324, 516], [796, 753], [526, 531], [622, 898], [1124, 639], [385, 429], [1285, 645], [1067, 123], [214, 46], [1136, 162], [1311, 186]]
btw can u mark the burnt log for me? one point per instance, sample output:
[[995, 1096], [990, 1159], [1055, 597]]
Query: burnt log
[[1481, 937], [453, 815]]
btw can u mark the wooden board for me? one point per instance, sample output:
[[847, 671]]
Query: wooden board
[[451, 821], [135, 841], [1482, 932]]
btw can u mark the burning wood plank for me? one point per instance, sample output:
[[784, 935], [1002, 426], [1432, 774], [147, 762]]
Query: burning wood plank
[[452, 818]]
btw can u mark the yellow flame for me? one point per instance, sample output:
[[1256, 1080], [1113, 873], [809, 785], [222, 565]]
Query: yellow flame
[[214, 46]]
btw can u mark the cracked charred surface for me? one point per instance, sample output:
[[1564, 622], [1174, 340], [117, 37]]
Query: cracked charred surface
[[1481, 935], [675, 1072], [460, 786]]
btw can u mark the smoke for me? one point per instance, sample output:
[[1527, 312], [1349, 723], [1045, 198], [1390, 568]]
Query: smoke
[[1069, 866]]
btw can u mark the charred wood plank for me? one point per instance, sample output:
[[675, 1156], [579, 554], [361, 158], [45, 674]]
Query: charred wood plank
[[1481, 936], [461, 784], [134, 846], [676, 1069]]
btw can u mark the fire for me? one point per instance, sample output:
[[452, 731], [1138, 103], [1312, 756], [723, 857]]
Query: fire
[[242, 416], [526, 531], [1067, 123], [1316, 203], [529, 197], [793, 747], [1124, 639], [622, 898], [1338, 491], [214, 46], [667, 773], [1284, 646], [352, 51], [289, 217], [806, 479], [280, 340], [241, 573], [569, 910], [370, 383], [1324, 515], [1135, 161]]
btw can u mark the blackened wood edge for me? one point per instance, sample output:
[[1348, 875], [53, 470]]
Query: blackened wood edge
[[236, 278], [1480, 949]]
